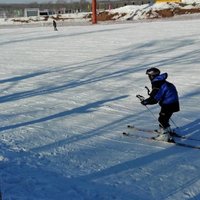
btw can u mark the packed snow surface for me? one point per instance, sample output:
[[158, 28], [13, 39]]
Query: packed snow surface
[[67, 96]]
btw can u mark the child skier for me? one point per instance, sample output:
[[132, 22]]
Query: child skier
[[55, 25], [164, 93]]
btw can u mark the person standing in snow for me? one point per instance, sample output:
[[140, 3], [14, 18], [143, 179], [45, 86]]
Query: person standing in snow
[[164, 93], [55, 25]]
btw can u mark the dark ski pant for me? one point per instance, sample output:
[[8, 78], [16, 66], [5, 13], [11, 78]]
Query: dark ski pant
[[164, 117]]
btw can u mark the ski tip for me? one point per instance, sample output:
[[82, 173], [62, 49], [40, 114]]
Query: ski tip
[[124, 133]]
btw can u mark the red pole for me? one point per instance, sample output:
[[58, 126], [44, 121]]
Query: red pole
[[94, 12]]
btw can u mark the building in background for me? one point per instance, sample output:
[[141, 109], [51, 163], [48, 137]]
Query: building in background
[[31, 12], [2, 13]]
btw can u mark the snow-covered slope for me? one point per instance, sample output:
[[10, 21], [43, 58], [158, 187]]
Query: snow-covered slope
[[66, 97]]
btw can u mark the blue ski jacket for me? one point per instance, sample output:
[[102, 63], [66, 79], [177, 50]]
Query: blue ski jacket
[[164, 93]]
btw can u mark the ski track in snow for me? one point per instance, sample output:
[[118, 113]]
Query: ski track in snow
[[67, 96]]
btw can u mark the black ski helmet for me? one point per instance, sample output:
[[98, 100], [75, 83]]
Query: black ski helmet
[[153, 72]]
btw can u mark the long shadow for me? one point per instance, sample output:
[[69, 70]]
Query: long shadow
[[23, 77], [191, 129], [85, 135], [191, 94], [133, 51], [69, 85], [83, 109], [49, 37], [53, 89], [131, 164], [48, 184]]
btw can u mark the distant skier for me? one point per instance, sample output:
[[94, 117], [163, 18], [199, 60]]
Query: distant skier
[[55, 25], [164, 93]]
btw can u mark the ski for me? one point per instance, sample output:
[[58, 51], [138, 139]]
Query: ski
[[174, 141], [174, 134], [144, 137]]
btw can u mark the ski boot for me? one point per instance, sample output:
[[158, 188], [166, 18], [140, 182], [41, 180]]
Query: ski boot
[[164, 135]]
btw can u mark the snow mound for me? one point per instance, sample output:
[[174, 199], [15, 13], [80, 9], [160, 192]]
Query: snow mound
[[158, 10]]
